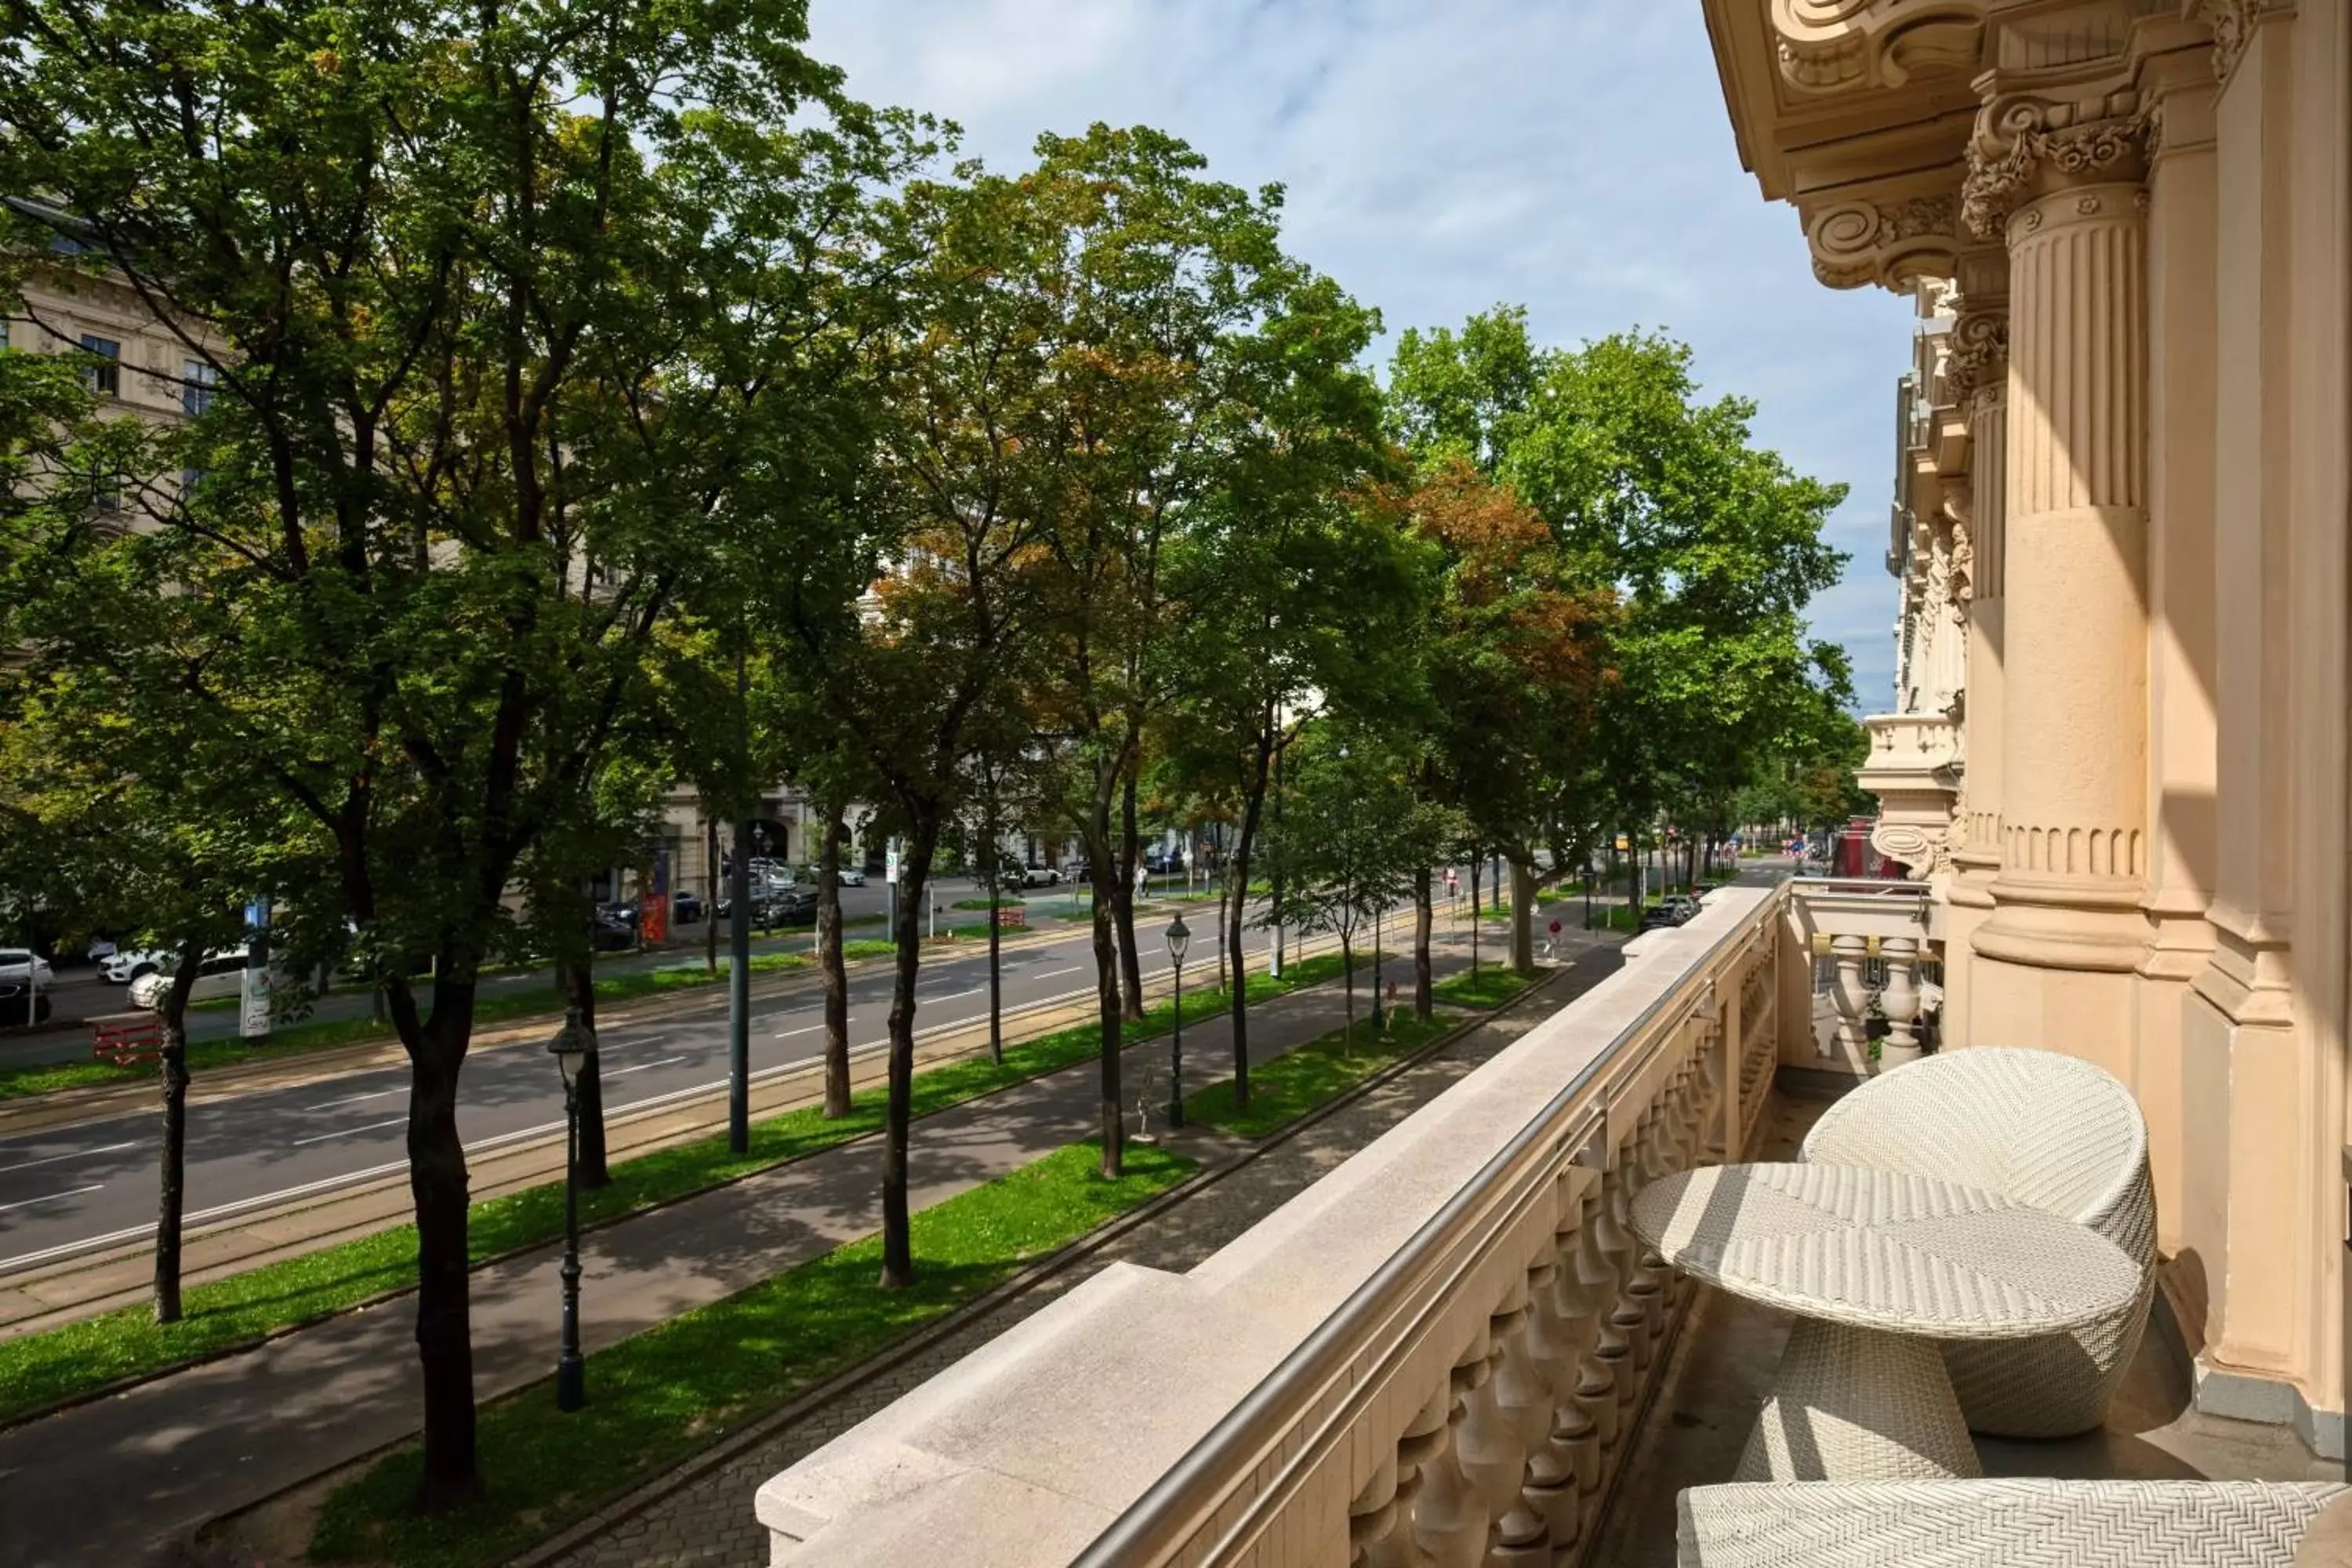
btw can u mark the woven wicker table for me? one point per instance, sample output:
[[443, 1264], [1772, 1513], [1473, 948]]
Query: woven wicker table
[[1878, 1265]]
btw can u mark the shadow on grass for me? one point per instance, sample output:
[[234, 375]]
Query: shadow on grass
[[657, 1396]]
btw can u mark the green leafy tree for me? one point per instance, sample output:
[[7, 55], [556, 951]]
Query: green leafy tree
[[412, 245]]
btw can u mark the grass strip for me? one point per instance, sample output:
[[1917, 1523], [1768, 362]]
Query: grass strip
[[655, 1397], [40, 1368], [1295, 1082]]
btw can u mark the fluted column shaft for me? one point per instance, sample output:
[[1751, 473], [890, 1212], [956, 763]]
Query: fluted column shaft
[[2066, 926]]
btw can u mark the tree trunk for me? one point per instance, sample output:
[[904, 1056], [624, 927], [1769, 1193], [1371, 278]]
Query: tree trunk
[[172, 1191], [914, 888], [438, 1186], [1347, 984], [1225, 921], [1237, 1002], [831, 963], [1523, 914], [1130, 964], [990, 858], [1424, 1000], [1100, 872], [580, 991], [1475, 916]]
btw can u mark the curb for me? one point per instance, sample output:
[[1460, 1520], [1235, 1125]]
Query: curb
[[750, 1434]]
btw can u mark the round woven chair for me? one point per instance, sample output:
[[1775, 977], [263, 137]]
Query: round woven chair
[[2040, 1128]]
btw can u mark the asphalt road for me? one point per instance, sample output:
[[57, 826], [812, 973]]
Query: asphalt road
[[79, 1187]]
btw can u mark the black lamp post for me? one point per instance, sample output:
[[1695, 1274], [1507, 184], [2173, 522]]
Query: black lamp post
[[1179, 939], [573, 1044]]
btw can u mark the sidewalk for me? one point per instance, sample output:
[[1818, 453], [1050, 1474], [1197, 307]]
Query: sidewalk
[[115, 1480]]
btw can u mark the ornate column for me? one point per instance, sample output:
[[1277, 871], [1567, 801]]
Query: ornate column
[[2061, 177], [1978, 378]]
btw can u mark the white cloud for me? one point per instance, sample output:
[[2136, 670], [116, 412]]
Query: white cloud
[[1573, 155]]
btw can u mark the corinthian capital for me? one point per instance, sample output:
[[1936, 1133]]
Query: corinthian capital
[[2025, 144], [1892, 240], [1832, 46]]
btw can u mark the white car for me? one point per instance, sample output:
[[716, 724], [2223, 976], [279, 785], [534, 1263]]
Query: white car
[[22, 965], [1040, 877], [129, 963], [221, 975], [852, 876]]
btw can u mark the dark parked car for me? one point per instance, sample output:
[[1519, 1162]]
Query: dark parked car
[[14, 1007], [1163, 862], [793, 908], [1659, 915], [685, 908], [615, 931]]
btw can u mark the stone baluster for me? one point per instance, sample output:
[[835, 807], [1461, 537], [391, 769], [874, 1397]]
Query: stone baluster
[[1501, 1421], [1900, 1002], [1561, 1334], [1379, 1522], [1852, 997], [1449, 1520]]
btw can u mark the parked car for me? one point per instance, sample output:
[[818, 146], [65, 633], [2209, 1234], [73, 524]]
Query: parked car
[[1658, 916], [769, 910], [220, 974], [131, 964], [17, 1006], [616, 928], [23, 966], [1684, 905], [685, 908], [852, 877], [1163, 861], [1041, 877]]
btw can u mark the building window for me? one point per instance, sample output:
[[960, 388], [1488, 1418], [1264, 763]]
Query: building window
[[196, 384], [104, 371]]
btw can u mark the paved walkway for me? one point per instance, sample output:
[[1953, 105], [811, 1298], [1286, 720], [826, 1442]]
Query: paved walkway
[[707, 1521], [112, 1481]]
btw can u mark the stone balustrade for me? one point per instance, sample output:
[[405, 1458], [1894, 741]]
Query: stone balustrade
[[1875, 935], [1437, 1355]]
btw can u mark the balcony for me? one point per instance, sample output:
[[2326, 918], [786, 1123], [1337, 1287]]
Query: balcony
[[1454, 1349]]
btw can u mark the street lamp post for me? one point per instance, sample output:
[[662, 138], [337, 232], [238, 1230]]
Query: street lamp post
[[1179, 939], [573, 1045]]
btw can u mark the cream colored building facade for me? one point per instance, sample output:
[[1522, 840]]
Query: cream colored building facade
[[2120, 754]]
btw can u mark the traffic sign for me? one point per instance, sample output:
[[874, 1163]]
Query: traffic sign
[[1623, 843], [890, 864]]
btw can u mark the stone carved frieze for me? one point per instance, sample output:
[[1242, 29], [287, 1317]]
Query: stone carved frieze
[[2023, 142], [1837, 45], [1895, 243]]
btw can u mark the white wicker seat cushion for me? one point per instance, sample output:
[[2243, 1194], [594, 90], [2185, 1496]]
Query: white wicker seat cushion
[[2038, 1127], [2017, 1523]]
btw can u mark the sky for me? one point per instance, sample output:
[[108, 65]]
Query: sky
[[1444, 156]]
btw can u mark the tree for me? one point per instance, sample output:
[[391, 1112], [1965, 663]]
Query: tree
[[1355, 833], [429, 565]]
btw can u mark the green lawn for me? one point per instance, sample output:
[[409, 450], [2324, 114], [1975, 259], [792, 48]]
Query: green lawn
[[659, 1395], [40, 1368], [1291, 1085], [1006, 903], [1492, 985]]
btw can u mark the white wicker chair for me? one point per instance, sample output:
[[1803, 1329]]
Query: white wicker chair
[[2041, 1129], [1999, 1524]]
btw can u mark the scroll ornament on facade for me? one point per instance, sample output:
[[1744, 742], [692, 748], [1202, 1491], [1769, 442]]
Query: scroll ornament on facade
[[1894, 244], [1835, 46]]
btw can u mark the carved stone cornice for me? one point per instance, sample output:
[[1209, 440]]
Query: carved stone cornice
[[2025, 144], [1893, 242], [2233, 22], [1838, 45]]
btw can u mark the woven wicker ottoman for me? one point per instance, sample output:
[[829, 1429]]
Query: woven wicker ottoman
[[1999, 1524], [1880, 1268]]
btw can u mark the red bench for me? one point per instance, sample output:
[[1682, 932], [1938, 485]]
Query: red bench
[[126, 1039]]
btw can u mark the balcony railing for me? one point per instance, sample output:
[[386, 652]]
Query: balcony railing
[[1443, 1348]]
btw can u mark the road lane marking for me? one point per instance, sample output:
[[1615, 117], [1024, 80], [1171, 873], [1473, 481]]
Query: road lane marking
[[952, 996], [27, 1203], [354, 1099], [347, 1131], [623, 1072], [1051, 973], [79, 1153]]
